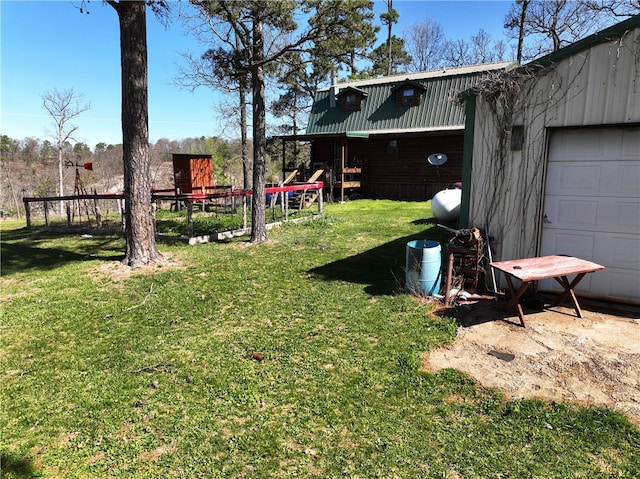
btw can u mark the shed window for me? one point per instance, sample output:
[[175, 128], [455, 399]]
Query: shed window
[[517, 137]]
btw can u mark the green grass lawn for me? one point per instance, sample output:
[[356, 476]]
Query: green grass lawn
[[152, 375]]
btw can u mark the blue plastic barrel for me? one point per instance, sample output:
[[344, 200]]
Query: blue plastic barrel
[[424, 258]]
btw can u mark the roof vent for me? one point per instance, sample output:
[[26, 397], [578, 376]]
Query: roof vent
[[333, 91]]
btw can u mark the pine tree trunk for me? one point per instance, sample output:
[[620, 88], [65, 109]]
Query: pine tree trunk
[[140, 229], [258, 217], [389, 62], [247, 164]]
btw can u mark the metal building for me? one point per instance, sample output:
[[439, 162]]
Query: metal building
[[552, 159]]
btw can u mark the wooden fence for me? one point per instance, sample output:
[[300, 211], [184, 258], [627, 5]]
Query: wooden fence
[[77, 206]]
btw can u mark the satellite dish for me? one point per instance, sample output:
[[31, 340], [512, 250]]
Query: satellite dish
[[437, 159]]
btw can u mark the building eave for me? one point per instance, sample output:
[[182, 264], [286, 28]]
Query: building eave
[[376, 133], [441, 73]]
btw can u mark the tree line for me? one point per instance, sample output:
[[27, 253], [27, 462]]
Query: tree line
[[29, 166]]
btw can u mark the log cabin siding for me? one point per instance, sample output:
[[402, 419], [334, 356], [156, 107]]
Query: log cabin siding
[[435, 124], [405, 175]]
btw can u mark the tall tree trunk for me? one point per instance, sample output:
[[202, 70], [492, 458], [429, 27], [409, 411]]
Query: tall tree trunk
[[294, 129], [60, 173], [140, 229], [258, 217], [521, 25], [389, 26], [247, 164]]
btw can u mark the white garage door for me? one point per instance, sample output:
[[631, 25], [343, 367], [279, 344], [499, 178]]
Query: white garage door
[[592, 208]]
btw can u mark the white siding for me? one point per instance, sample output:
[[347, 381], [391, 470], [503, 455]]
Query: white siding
[[597, 86]]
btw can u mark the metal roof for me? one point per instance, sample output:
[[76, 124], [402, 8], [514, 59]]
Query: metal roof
[[439, 109]]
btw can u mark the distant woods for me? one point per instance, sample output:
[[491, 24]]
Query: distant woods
[[30, 166]]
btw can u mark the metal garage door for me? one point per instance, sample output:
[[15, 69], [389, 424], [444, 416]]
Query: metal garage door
[[592, 208]]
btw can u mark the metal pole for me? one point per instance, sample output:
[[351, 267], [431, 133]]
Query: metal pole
[[244, 210]]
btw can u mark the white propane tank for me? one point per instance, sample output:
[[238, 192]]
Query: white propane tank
[[445, 205]]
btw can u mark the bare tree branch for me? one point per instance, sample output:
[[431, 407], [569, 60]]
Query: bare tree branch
[[63, 106]]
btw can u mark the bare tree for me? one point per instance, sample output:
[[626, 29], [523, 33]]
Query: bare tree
[[63, 106], [515, 22], [614, 8], [425, 44], [548, 25], [479, 49]]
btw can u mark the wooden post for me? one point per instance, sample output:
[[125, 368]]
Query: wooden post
[[284, 161], [285, 204], [244, 210], [46, 213], [342, 173], [96, 209], [320, 201], [331, 181], [121, 206], [283, 200], [27, 212], [233, 200], [189, 219], [447, 289], [272, 205]]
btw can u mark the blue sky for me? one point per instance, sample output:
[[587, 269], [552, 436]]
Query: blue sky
[[48, 45]]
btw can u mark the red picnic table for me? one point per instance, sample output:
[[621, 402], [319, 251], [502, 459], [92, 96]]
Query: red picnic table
[[530, 270]]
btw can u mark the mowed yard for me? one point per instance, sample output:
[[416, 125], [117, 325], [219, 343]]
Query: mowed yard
[[300, 357]]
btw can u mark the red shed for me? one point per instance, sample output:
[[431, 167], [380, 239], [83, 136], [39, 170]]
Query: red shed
[[192, 173]]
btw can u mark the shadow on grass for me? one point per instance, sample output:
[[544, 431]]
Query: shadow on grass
[[381, 268], [16, 467], [23, 250], [484, 311]]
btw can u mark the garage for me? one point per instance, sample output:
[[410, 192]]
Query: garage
[[592, 207]]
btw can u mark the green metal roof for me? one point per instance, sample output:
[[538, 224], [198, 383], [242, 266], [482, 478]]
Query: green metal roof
[[439, 109], [353, 90]]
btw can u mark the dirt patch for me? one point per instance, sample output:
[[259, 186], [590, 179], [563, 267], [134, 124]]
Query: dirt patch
[[116, 271], [557, 356]]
